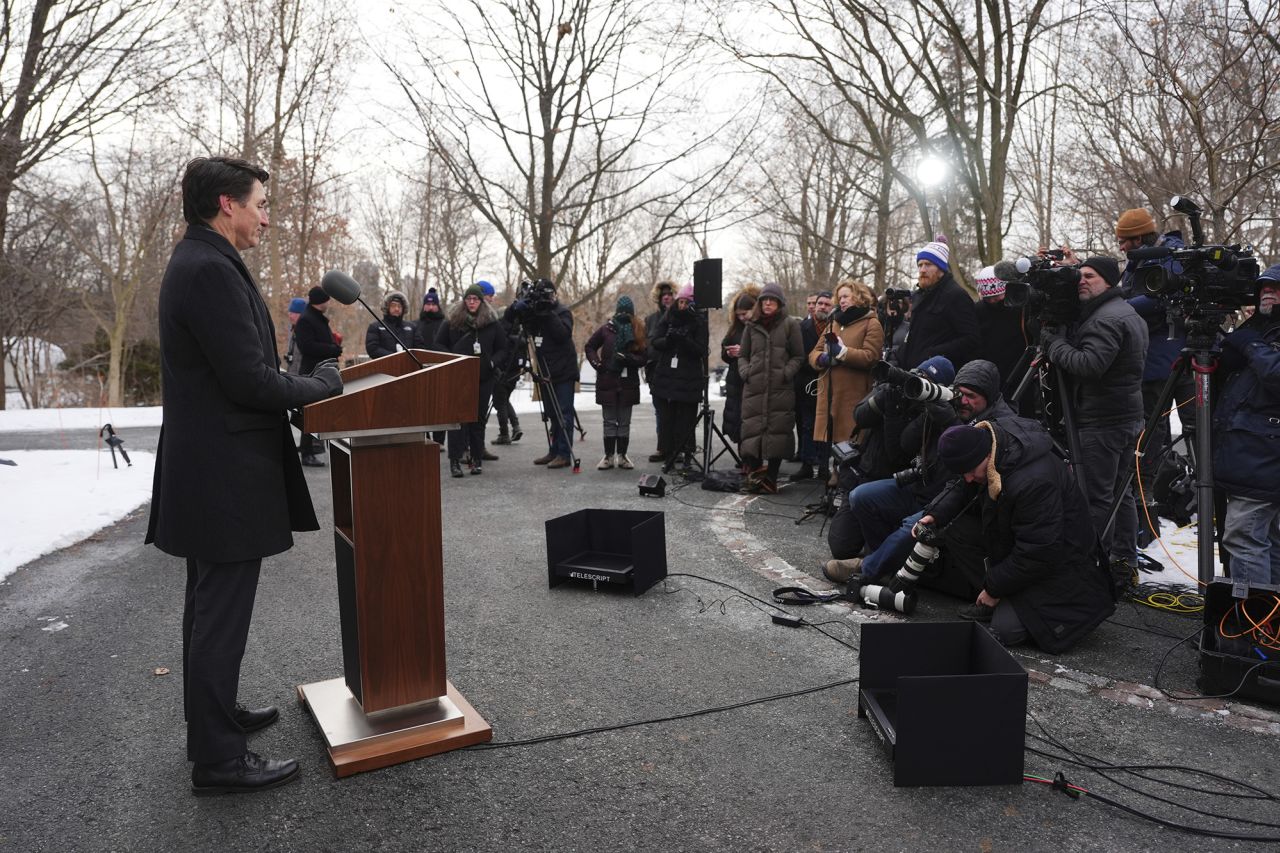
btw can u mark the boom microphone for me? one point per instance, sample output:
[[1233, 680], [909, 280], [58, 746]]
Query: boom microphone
[[1007, 271], [346, 290]]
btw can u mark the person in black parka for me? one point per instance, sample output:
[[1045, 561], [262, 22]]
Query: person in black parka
[[315, 341], [1045, 579], [380, 339], [743, 302], [228, 489], [677, 348], [473, 329], [429, 320], [617, 350], [943, 319]]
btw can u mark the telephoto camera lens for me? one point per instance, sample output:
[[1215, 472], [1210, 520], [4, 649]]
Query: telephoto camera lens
[[921, 390], [920, 558], [884, 598]]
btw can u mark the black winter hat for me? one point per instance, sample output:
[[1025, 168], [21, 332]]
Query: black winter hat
[[317, 296], [961, 448], [982, 376], [1106, 267]]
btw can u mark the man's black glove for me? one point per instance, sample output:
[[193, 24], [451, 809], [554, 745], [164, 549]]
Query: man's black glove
[[327, 371]]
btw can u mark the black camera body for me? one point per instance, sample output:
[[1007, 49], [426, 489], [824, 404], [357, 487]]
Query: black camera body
[[539, 295], [1048, 292]]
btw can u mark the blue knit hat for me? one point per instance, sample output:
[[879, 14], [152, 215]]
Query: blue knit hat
[[431, 297], [625, 306], [485, 287], [938, 370], [936, 253], [297, 305]]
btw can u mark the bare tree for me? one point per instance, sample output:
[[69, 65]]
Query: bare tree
[[1189, 105], [121, 221], [65, 66], [554, 114]]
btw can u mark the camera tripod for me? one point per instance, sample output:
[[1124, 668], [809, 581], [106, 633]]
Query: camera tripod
[[706, 415], [546, 388], [1053, 383], [1198, 359]]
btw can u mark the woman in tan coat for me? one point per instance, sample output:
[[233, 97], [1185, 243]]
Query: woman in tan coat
[[844, 357]]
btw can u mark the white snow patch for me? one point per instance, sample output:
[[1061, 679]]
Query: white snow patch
[[55, 498]]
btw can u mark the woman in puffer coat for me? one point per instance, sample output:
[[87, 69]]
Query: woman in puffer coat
[[844, 358], [731, 419], [472, 328], [617, 350], [772, 351], [678, 346]]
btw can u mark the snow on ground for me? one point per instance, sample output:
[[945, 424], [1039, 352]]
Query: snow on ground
[[55, 498]]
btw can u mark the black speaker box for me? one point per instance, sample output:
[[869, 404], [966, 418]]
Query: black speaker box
[[948, 702], [652, 485], [1238, 663], [618, 547], [707, 282]]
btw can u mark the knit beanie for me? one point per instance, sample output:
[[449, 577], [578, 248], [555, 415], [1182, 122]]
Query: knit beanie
[[1134, 223], [297, 305], [474, 290], [625, 306], [317, 296], [773, 291], [988, 284], [431, 297], [982, 376], [685, 293], [1106, 267], [936, 253], [962, 448], [486, 289], [938, 370]]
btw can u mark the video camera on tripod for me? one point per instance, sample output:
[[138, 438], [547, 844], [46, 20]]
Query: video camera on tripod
[[535, 297], [1046, 290], [1214, 280]]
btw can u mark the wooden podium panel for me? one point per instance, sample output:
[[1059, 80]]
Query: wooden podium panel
[[394, 702]]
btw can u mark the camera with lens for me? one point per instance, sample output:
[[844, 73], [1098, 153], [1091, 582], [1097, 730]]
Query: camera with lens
[[909, 476], [846, 454], [1046, 291], [1213, 280], [915, 387], [539, 296]]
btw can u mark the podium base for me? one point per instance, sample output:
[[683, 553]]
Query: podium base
[[357, 741]]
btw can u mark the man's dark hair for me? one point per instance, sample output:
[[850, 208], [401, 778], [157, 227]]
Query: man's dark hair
[[206, 179]]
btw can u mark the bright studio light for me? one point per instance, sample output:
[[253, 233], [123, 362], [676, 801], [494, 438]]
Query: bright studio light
[[931, 171]]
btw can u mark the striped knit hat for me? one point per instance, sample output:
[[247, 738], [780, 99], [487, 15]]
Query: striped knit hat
[[988, 284], [936, 253]]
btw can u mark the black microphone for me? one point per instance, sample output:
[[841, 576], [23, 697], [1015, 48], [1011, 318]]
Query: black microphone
[[1007, 271], [1149, 253], [346, 290]]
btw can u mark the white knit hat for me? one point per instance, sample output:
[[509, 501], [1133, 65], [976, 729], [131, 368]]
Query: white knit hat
[[988, 284]]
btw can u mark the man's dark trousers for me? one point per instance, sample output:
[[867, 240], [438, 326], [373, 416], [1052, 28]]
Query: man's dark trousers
[[215, 627]]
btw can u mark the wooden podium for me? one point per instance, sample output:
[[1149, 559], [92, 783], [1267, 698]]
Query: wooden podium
[[393, 702]]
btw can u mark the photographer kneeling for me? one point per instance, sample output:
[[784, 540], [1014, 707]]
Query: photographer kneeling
[[1043, 579]]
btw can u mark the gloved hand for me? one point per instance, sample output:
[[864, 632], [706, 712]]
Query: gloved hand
[[1048, 337], [823, 360], [838, 350], [327, 372], [520, 306], [1240, 339]]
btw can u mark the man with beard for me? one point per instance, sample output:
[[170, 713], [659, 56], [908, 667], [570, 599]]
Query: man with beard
[[943, 320]]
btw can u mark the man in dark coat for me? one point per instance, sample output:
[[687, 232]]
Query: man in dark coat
[[943, 320], [428, 325], [1044, 579], [676, 350], [228, 488], [1246, 441], [1102, 355], [1005, 332], [663, 294], [316, 342], [380, 339], [550, 326], [813, 454]]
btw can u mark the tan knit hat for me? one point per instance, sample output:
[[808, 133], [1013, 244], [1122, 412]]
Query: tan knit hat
[[1134, 223]]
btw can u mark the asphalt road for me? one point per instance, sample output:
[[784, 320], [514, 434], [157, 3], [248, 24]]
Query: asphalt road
[[92, 744]]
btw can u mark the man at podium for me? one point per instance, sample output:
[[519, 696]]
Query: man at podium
[[228, 486]]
